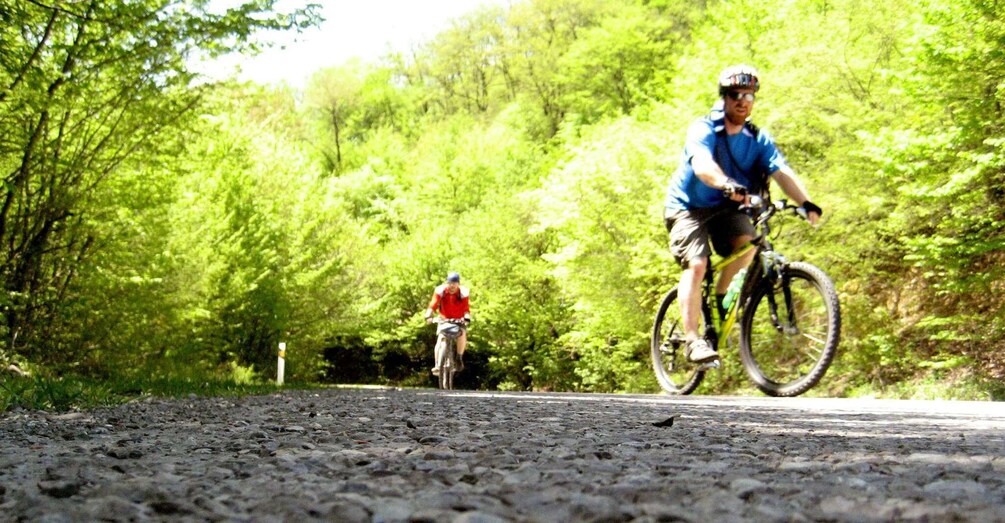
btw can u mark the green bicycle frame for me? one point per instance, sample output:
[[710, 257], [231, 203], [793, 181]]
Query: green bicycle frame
[[723, 326]]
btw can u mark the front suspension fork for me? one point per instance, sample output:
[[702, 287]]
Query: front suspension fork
[[789, 326]]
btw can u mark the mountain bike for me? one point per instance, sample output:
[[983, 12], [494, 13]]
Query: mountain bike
[[788, 314], [448, 330]]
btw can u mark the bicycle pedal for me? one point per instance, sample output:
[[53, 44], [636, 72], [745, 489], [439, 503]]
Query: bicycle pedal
[[709, 365]]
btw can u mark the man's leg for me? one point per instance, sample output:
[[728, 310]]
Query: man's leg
[[462, 341], [689, 244], [437, 352], [689, 294], [727, 273]]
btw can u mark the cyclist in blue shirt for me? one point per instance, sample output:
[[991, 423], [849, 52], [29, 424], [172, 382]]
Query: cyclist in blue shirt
[[726, 158]]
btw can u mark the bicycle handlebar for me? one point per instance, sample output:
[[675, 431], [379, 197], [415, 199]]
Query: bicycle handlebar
[[455, 321], [762, 210]]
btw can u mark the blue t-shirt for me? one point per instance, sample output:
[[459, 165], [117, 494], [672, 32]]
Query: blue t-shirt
[[753, 154]]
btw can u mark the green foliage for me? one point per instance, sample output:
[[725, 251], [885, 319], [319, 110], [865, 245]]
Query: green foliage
[[603, 201], [275, 255], [947, 170], [91, 92], [521, 310], [50, 394], [619, 64]]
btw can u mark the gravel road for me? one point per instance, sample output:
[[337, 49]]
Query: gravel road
[[420, 455]]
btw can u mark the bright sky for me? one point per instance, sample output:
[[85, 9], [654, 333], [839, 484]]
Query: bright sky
[[366, 29]]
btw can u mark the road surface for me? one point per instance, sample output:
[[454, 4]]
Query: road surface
[[386, 455]]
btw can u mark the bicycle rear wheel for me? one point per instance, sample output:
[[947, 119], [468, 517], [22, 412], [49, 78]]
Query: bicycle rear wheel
[[790, 330], [674, 373]]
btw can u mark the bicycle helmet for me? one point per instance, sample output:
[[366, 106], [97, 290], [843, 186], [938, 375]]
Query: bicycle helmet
[[453, 277], [738, 76]]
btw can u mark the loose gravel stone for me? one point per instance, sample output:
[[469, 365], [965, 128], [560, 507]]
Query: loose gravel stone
[[371, 455]]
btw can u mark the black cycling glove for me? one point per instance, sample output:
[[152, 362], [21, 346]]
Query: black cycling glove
[[732, 188], [809, 206]]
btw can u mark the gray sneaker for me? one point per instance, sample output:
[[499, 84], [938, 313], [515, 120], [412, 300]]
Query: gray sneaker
[[698, 351]]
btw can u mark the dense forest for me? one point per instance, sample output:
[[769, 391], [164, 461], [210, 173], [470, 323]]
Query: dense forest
[[156, 225]]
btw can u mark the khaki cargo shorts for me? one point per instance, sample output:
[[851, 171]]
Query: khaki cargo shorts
[[691, 230]]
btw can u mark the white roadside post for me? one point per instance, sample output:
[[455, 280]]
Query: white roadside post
[[281, 367]]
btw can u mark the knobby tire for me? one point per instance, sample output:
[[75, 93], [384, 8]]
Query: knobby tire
[[668, 333], [789, 356]]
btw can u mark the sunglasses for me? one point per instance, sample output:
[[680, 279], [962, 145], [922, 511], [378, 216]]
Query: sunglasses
[[737, 96]]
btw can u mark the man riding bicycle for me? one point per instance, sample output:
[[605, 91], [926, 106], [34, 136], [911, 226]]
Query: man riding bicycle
[[726, 158], [452, 301]]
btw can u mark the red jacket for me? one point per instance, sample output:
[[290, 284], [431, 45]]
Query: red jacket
[[451, 306]]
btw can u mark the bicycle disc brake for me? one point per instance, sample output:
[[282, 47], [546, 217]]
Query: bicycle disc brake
[[669, 348]]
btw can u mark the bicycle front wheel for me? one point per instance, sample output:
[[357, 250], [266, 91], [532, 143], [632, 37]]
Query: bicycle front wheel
[[790, 330], [445, 364], [674, 373]]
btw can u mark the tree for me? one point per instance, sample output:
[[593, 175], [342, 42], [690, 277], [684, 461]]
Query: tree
[[86, 86], [949, 172], [603, 203], [621, 63], [348, 105], [542, 32]]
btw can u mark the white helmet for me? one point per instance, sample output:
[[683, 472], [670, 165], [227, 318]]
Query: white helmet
[[738, 76]]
